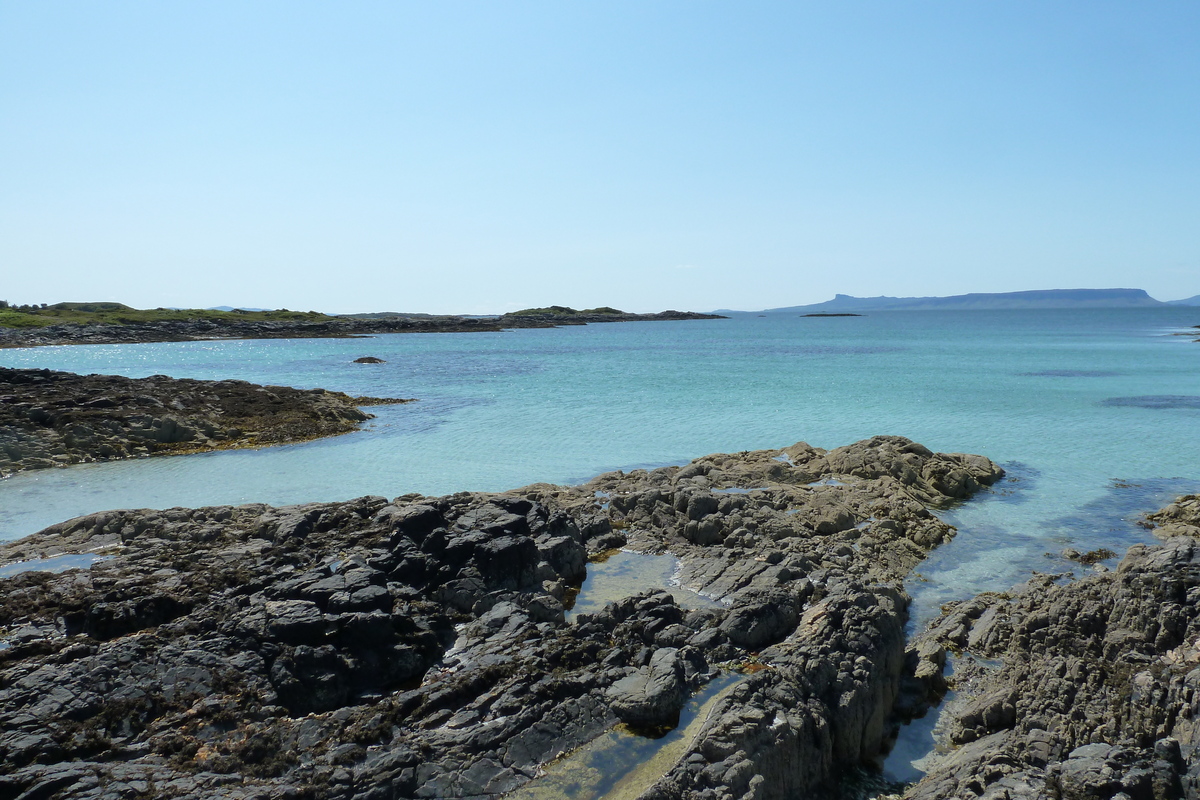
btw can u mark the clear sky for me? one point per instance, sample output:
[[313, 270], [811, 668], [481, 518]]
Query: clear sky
[[479, 157]]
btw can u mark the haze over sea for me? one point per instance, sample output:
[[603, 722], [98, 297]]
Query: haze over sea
[[1094, 413]]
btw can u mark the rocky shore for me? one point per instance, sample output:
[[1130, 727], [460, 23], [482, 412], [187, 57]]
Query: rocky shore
[[50, 418], [340, 327], [420, 647], [1085, 689]]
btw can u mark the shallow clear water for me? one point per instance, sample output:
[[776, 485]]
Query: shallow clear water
[[620, 764], [53, 564], [499, 410], [1047, 393], [624, 573]]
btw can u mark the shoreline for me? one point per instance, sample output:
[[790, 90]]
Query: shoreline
[[459, 602], [340, 328], [419, 646], [1007, 651]]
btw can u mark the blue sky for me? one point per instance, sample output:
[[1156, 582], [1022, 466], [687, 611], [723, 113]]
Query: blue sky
[[480, 157]]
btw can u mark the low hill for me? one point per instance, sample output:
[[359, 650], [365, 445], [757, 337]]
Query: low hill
[[566, 311], [91, 308]]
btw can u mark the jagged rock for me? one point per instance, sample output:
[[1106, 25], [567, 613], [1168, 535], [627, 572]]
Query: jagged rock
[[1097, 687], [652, 695], [1180, 518], [419, 647]]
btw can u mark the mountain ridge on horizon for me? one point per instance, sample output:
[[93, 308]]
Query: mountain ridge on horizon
[[1030, 299]]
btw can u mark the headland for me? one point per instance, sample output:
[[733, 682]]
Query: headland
[[1055, 299], [50, 418]]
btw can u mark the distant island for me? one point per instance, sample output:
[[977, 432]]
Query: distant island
[[979, 301], [114, 323]]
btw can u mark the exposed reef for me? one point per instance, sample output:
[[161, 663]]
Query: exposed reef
[[1193, 331], [1156, 401], [1086, 689], [224, 327], [50, 418], [419, 647]]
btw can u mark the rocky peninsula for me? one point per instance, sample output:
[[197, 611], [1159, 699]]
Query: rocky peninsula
[[50, 418], [1084, 689], [423, 646], [114, 323]]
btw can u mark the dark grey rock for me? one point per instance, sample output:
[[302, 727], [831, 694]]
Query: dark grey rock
[[1095, 690], [419, 647], [58, 418], [653, 695]]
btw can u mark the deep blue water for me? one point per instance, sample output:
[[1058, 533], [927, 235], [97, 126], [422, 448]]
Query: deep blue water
[[1094, 412]]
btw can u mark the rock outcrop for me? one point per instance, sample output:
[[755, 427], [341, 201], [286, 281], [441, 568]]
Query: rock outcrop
[[1086, 689], [419, 647], [50, 418], [1180, 518]]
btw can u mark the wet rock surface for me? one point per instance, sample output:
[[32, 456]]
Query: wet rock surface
[[50, 418], [418, 647], [1082, 689]]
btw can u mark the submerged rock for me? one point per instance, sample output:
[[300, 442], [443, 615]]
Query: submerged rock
[[418, 647]]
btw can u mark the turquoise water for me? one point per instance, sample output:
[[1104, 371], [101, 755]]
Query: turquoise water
[[1032, 390]]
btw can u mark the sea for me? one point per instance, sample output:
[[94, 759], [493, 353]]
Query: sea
[[1095, 415]]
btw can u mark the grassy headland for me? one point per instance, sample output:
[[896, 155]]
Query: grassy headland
[[115, 323], [567, 311]]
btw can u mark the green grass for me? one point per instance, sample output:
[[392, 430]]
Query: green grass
[[17, 319], [119, 314]]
